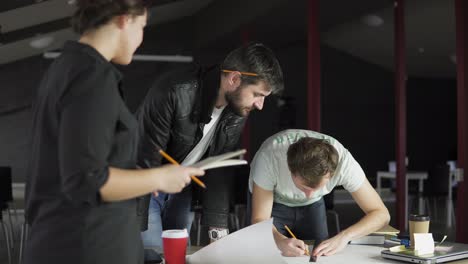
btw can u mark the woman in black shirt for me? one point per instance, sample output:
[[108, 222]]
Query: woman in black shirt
[[82, 178]]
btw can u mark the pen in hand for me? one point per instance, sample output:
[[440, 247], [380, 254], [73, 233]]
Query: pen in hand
[[291, 233], [173, 161]]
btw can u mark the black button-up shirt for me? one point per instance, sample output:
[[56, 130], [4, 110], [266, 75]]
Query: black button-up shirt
[[81, 126]]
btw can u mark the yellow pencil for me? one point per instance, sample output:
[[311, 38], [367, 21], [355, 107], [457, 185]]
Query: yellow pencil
[[243, 73], [173, 161], [291, 233]]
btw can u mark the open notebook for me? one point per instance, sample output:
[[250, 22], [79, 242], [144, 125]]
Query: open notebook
[[222, 160]]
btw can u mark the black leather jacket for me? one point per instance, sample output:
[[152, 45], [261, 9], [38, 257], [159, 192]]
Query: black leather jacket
[[173, 115]]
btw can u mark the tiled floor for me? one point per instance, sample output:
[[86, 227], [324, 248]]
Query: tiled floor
[[347, 210]]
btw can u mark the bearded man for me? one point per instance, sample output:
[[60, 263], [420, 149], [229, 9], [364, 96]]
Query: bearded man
[[196, 112]]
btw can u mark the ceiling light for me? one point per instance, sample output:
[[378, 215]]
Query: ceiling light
[[41, 42], [372, 20], [137, 57], [169, 58]]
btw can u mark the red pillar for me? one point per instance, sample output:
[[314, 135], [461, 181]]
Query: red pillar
[[313, 66], [400, 108], [245, 37], [461, 15]]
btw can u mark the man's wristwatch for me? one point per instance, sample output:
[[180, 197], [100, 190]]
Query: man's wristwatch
[[217, 233]]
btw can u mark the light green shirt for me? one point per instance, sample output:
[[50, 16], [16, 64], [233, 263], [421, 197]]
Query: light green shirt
[[269, 169]]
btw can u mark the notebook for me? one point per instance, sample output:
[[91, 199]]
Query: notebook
[[221, 160], [444, 253]]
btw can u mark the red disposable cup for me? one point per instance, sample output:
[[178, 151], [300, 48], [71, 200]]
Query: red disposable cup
[[175, 245]]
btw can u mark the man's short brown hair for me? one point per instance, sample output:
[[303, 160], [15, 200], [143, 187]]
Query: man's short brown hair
[[312, 158]]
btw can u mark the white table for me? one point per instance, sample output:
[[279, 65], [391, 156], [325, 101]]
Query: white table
[[351, 254], [356, 254], [361, 254], [420, 176]]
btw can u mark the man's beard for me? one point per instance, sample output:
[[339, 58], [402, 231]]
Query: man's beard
[[234, 100]]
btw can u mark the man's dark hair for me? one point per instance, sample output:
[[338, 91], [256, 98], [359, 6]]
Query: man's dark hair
[[91, 14], [312, 158], [259, 59]]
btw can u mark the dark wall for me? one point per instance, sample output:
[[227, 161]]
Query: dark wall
[[18, 81], [432, 124], [358, 109], [357, 106], [138, 78]]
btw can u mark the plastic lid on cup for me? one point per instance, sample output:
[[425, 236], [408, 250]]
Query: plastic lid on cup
[[419, 218], [175, 233]]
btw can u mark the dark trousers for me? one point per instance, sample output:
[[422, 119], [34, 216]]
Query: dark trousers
[[215, 200], [306, 222]]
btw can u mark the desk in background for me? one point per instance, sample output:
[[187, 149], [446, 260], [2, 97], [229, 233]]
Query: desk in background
[[420, 176]]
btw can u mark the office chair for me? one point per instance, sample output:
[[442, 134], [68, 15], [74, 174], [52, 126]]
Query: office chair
[[6, 199], [436, 187], [6, 196], [23, 239], [6, 232]]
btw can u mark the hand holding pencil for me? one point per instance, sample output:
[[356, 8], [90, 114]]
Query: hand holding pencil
[[173, 178], [292, 234], [173, 161]]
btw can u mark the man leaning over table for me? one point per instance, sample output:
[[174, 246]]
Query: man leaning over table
[[290, 174], [194, 112]]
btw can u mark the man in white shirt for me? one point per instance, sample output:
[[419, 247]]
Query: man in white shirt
[[290, 174]]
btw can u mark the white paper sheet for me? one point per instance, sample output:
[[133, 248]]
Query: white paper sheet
[[361, 254], [250, 245], [257, 246]]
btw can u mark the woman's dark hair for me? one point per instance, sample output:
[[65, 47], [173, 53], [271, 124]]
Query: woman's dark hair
[[91, 14], [259, 59]]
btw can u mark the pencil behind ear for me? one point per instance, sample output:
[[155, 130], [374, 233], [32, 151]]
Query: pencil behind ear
[[234, 80]]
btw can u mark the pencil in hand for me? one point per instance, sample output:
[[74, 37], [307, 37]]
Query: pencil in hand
[[173, 161], [291, 233]]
